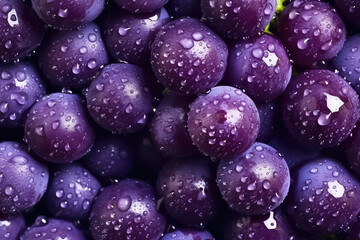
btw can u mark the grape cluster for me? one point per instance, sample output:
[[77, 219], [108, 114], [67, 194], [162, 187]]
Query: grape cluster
[[179, 120]]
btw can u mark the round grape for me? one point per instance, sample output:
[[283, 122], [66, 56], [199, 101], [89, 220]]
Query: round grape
[[57, 128], [188, 57], [223, 123], [23, 180], [118, 99], [20, 87], [126, 210], [320, 108]]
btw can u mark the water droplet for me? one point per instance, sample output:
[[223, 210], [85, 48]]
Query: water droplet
[[63, 13], [55, 125], [266, 185], [39, 130], [186, 43], [303, 43], [129, 108], [9, 190], [59, 193], [124, 203], [251, 187]]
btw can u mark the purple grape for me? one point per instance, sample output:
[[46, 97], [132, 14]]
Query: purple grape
[[20, 87], [57, 128], [110, 157], [23, 180], [128, 36], [319, 108], [180, 8], [223, 123], [259, 66], [20, 28], [71, 192], [188, 190], [238, 18], [71, 59], [272, 226], [118, 99], [188, 234], [347, 62], [188, 57], [11, 226], [352, 149], [268, 113], [324, 197], [126, 210], [255, 182], [44, 229], [312, 31], [353, 233], [68, 14], [141, 6], [168, 127], [349, 10]]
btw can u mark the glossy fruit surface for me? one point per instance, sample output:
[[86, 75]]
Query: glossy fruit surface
[[272, 226], [23, 180], [71, 192], [128, 36], [259, 66], [72, 58], [188, 234], [238, 18], [320, 108], [58, 129], [168, 127], [255, 182], [68, 14], [44, 228], [188, 190], [224, 122], [312, 31], [11, 226], [324, 197], [126, 210], [21, 30], [118, 99], [188, 57], [20, 87], [347, 62]]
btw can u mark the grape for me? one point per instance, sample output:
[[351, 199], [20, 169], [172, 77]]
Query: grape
[[319, 108], [352, 150], [255, 182], [141, 6], [188, 234], [347, 62], [20, 87], [128, 36], [118, 99], [272, 226], [312, 31], [259, 66], [71, 192], [57, 128], [11, 226], [71, 59], [324, 197], [188, 57], [349, 10], [188, 190], [44, 228], [268, 113], [20, 28], [23, 180], [68, 14], [180, 8], [238, 18], [110, 157], [126, 210], [223, 123], [168, 127]]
